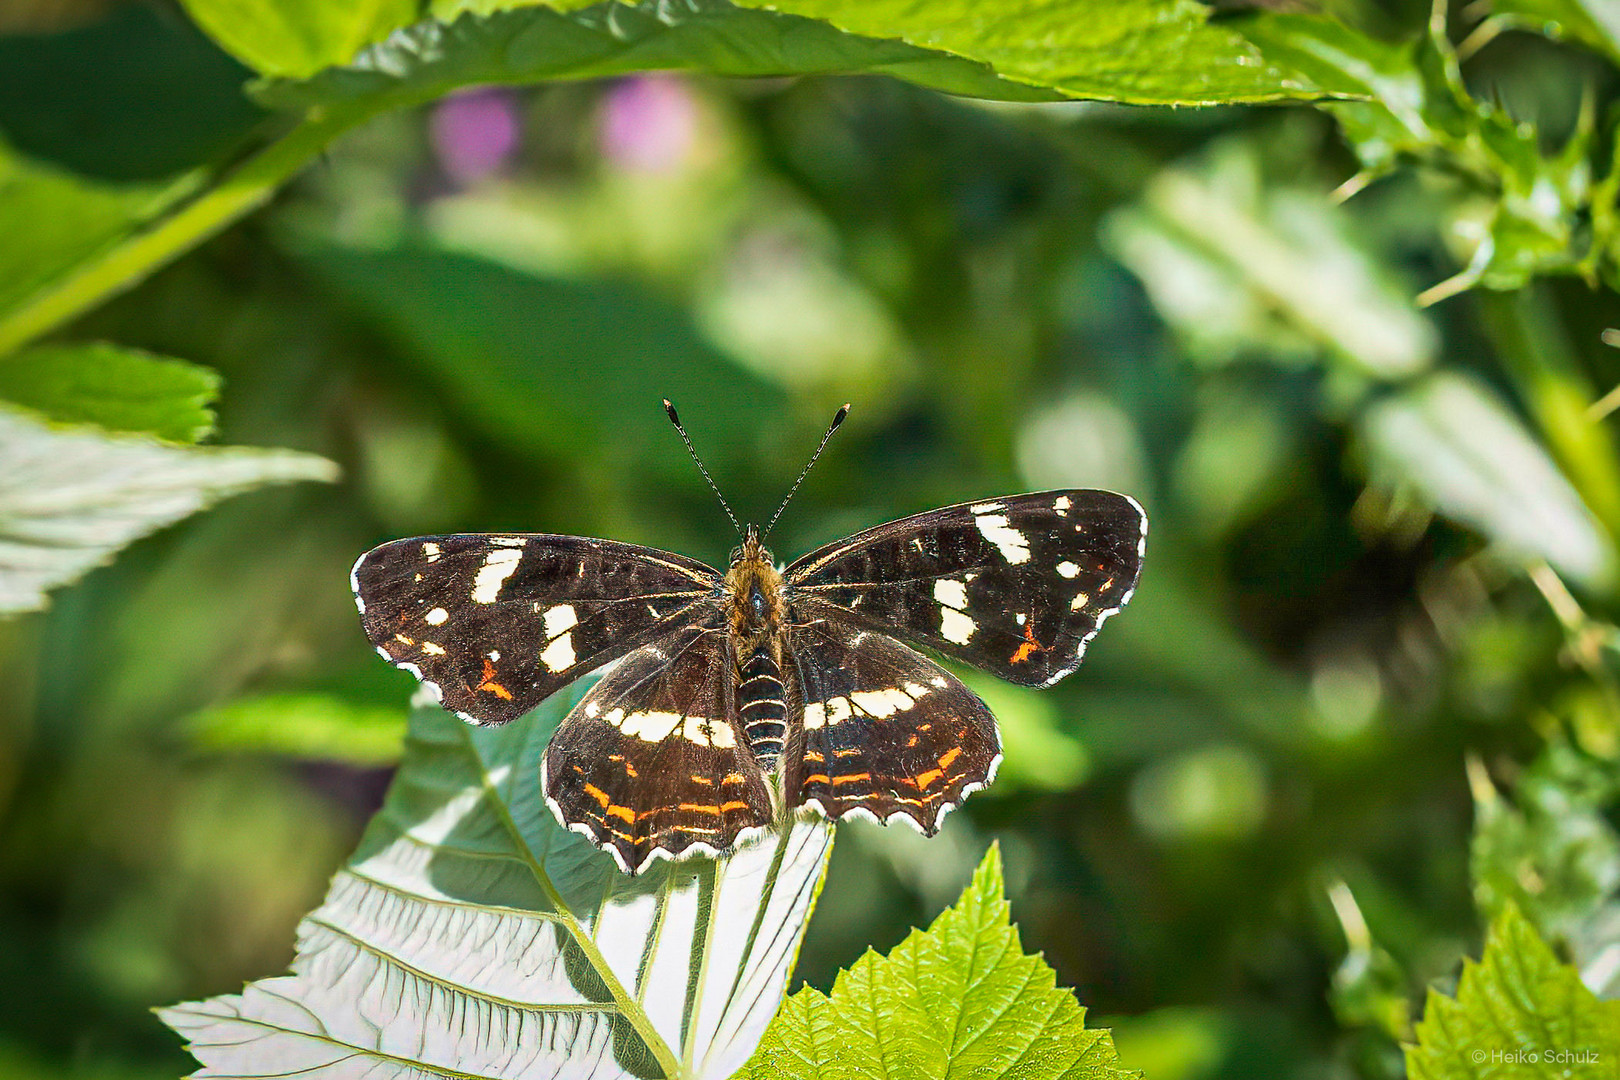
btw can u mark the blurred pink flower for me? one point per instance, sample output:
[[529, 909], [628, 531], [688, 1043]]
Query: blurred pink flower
[[475, 133], [648, 123]]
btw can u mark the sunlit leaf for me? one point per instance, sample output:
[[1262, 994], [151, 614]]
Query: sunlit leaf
[[71, 498], [115, 388], [1164, 51], [472, 935], [296, 38], [1453, 442], [1518, 1013], [318, 726], [961, 999]]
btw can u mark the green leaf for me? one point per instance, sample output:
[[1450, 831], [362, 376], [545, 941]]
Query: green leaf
[[115, 388], [70, 498], [1518, 1013], [296, 38], [472, 935], [1595, 23], [53, 221], [1454, 443], [137, 95], [957, 1000], [1147, 51], [317, 726]]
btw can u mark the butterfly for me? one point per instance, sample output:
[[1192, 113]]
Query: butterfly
[[741, 698]]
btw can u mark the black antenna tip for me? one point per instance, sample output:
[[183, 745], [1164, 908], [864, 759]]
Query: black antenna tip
[[838, 417], [676, 420]]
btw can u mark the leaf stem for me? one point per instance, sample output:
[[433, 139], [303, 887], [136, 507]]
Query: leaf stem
[[126, 264]]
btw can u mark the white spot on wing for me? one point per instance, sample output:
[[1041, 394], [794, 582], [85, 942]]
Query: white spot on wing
[[508, 541], [1061, 504], [431, 649], [498, 566], [1067, 569], [559, 655], [984, 508], [430, 551], [955, 626], [1080, 600], [651, 726], [951, 593], [881, 703], [559, 618], [815, 715], [1013, 545], [436, 617]]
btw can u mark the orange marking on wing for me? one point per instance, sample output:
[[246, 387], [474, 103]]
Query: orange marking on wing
[[949, 756], [733, 805], [704, 780], [847, 751], [924, 779], [814, 755], [699, 808], [630, 771], [598, 794], [851, 778], [816, 778], [732, 778], [489, 685], [622, 812], [1029, 646]]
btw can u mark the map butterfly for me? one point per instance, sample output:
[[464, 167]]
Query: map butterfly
[[740, 698]]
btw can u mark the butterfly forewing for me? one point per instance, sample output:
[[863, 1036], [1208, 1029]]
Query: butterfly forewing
[[1015, 585], [495, 624], [652, 761], [885, 730]]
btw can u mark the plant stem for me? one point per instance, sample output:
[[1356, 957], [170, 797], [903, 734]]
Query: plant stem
[[240, 191]]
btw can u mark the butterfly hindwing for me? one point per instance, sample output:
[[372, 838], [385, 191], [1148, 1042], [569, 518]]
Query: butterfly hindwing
[[885, 731], [1015, 585], [497, 623], [652, 761]]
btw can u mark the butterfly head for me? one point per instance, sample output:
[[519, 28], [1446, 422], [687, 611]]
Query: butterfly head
[[754, 603]]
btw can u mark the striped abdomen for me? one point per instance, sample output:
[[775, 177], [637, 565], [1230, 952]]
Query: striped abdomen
[[759, 703]]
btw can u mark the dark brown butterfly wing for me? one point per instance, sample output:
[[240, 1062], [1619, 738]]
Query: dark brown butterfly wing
[[1015, 585], [494, 624], [652, 762], [884, 732]]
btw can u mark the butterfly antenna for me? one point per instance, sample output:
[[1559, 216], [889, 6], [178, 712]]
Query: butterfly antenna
[[838, 418], [676, 420]]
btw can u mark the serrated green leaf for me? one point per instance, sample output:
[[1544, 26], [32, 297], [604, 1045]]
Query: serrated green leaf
[[960, 999], [1518, 1013], [115, 388], [70, 498], [296, 38], [1453, 442], [1146, 51], [472, 935], [320, 726]]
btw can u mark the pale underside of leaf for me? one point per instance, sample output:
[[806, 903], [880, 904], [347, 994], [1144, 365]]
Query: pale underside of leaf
[[473, 936], [71, 497]]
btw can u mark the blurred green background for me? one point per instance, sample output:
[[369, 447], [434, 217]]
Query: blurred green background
[[475, 308]]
